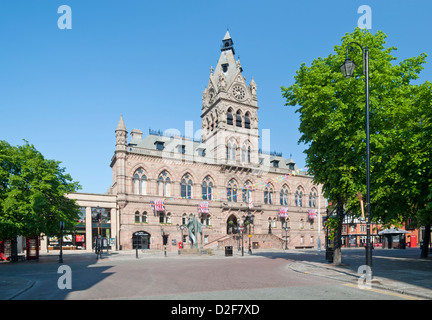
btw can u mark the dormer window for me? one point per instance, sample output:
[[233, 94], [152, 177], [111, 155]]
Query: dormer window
[[159, 145], [181, 148], [290, 163], [201, 152], [275, 163]]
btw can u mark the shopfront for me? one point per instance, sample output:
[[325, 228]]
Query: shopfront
[[141, 240], [74, 240], [101, 224], [98, 216]]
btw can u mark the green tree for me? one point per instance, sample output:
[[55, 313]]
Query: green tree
[[33, 193], [403, 177], [332, 117]]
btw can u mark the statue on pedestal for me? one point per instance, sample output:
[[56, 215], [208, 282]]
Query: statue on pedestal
[[194, 227]]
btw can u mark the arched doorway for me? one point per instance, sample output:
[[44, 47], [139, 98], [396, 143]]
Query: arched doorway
[[232, 224], [141, 240]]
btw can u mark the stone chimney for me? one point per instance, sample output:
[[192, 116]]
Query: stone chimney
[[136, 134]]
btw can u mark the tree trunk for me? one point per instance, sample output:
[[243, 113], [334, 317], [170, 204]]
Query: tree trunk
[[14, 250], [337, 258], [426, 240]]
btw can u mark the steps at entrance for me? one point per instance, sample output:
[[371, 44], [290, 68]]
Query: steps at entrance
[[196, 251], [258, 241]]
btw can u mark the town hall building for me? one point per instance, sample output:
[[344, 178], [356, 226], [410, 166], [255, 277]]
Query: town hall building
[[162, 180]]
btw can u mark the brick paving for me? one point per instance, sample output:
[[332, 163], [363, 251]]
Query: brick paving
[[400, 271]]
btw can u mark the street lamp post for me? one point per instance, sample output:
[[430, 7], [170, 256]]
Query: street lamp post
[[286, 235], [249, 219], [164, 241], [347, 69], [242, 232], [61, 242], [181, 227], [237, 237], [99, 236]]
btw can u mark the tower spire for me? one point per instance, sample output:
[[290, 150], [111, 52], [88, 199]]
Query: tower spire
[[121, 135], [121, 124], [227, 43]]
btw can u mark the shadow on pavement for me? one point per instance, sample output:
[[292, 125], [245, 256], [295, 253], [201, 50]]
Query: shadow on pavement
[[47, 279], [399, 265]]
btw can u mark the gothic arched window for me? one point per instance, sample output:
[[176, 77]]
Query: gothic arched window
[[247, 120], [232, 191], [164, 184], [206, 220], [246, 153], [231, 150], [247, 191], [230, 117], [312, 198], [207, 189], [299, 197], [239, 120], [186, 187], [268, 194], [139, 182], [284, 195]]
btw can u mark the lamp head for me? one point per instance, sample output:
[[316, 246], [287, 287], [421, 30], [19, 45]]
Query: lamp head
[[347, 68]]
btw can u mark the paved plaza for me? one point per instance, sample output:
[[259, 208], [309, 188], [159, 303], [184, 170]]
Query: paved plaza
[[264, 275]]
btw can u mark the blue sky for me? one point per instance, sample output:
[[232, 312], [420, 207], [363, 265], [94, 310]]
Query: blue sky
[[64, 90]]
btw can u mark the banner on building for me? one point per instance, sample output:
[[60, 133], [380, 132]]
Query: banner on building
[[283, 212], [203, 207], [312, 214], [157, 205]]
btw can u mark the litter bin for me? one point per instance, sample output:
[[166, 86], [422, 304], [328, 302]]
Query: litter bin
[[329, 255], [228, 251]]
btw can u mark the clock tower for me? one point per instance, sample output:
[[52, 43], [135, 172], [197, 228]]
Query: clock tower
[[229, 112]]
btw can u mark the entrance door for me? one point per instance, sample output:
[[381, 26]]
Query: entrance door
[[413, 241], [232, 224], [141, 240]]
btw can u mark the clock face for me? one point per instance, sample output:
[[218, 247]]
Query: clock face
[[238, 92]]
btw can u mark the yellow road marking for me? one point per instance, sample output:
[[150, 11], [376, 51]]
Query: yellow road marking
[[404, 296]]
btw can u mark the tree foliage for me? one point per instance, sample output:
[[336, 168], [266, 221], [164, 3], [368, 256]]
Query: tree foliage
[[332, 125], [32, 193]]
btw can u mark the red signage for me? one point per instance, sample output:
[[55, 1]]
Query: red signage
[[32, 248]]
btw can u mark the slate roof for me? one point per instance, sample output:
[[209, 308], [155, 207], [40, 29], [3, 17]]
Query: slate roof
[[148, 145]]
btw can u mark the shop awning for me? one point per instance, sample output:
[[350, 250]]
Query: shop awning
[[392, 231]]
